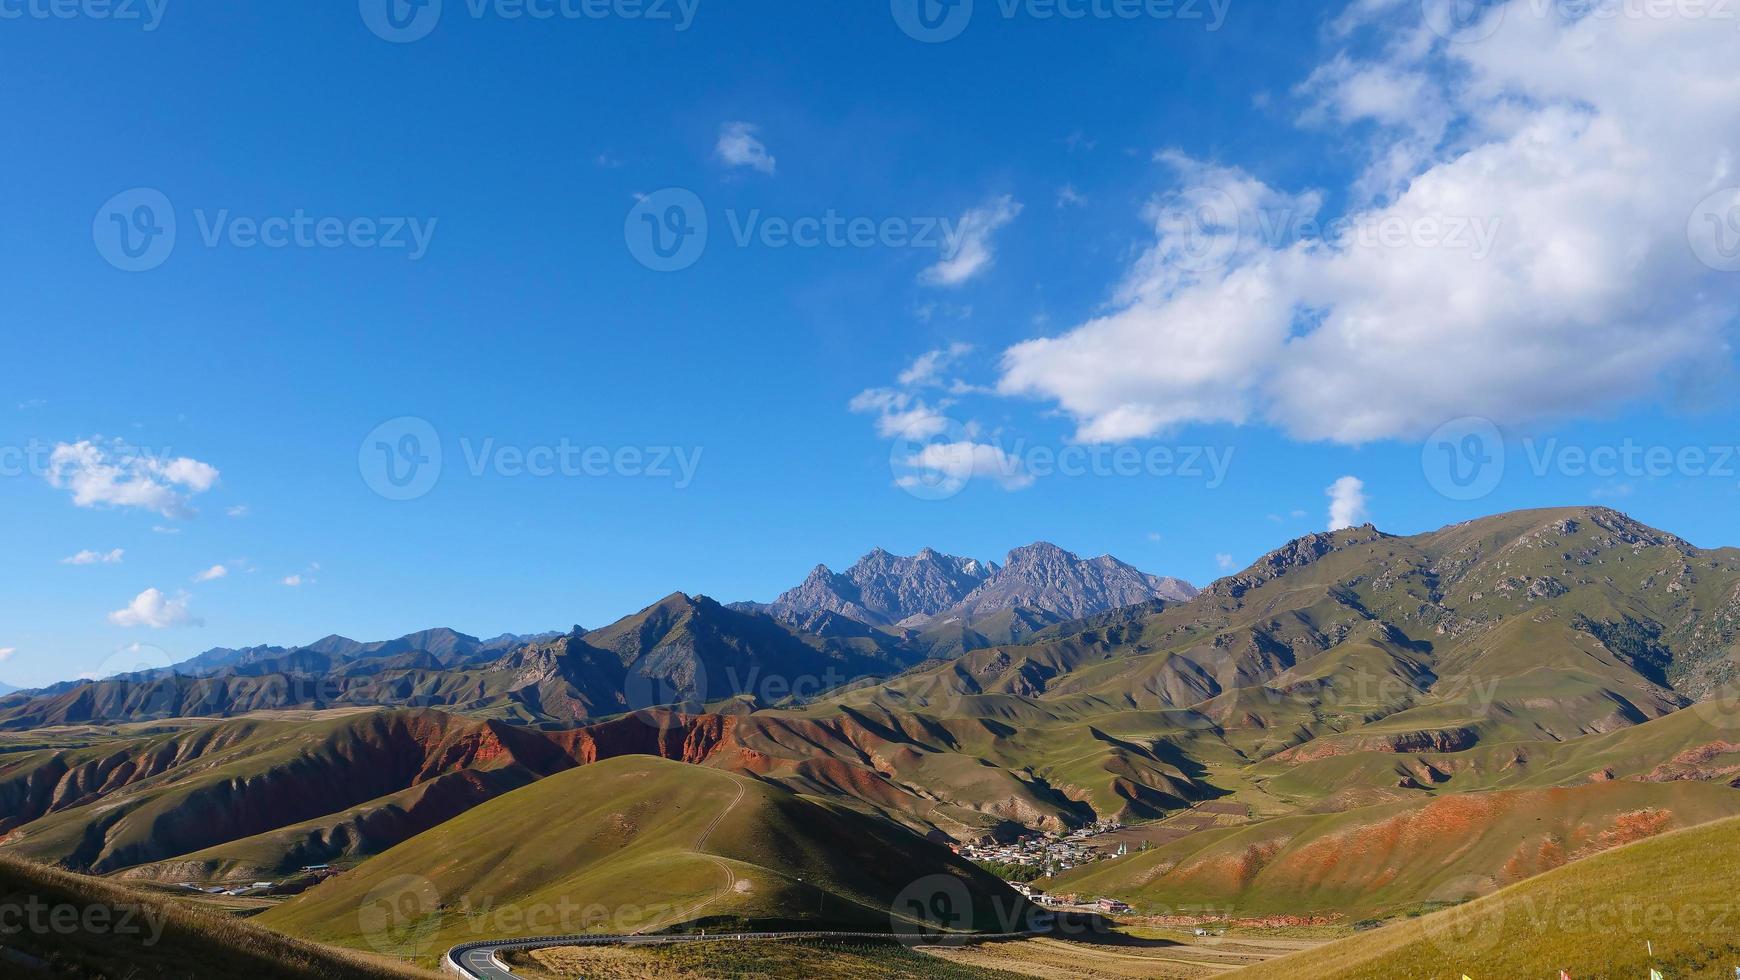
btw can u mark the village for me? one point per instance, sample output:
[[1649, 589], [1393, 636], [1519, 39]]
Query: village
[[309, 874], [1050, 853]]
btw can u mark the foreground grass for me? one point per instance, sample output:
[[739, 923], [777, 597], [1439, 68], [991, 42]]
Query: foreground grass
[[56, 923], [1125, 954], [1597, 917], [704, 961]]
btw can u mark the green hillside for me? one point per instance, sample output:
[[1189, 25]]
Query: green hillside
[[62, 924], [1595, 918], [1385, 859], [346, 784], [638, 844]]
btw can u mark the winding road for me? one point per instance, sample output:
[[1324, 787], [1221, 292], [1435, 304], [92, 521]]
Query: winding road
[[481, 961], [478, 960]]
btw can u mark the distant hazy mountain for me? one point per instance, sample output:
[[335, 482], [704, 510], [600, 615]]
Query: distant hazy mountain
[[681, 649], [932, 589], [448, 648]]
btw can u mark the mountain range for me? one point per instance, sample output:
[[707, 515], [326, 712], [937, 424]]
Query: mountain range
[[1343, 729], [681, 649]]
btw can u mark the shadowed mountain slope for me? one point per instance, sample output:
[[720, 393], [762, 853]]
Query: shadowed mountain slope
[[642, 844], [114, 931]]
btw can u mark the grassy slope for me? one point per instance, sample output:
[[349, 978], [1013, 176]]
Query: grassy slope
[[116, 804], [1591, 918], [1382, 859], [637, 844], [192, 945]]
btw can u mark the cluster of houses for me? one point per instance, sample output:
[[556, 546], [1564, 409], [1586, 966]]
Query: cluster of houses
[[257, 888], [319, 871], [1050, 852], [1109, 905]]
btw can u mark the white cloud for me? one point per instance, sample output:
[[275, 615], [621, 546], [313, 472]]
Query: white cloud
[[1225, 562], [117, 475], [934, 450], [296, 581], [161, 529], [1524, 258], [1346, 503], [1068, 196], [239, 510], [154, 609], [900, 414], [6, 653], [212, 573], [969, 251], [1154, 536], [927, 366], [961, 461], [88, 557], [739, 147]]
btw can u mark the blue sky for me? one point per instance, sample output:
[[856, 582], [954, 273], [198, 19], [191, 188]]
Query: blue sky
[[1109, 234]]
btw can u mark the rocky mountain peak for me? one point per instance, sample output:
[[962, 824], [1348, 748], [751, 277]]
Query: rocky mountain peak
[[883, 588], [1296, 553], [1046, 577]]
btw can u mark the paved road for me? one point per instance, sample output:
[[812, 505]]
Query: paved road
[[477, 960], [479, 963]]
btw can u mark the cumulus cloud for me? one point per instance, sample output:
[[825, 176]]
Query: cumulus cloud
[[738, 146], [158, 611], [931, 449], [6, 653], [211, 574], [1346, 503], [1520, 256], [1224, 562], [117, 475], [958, 462], [88, 557], [239, 510], [969, 251], [292, 580]]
